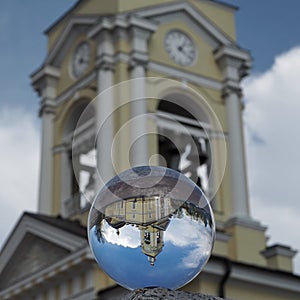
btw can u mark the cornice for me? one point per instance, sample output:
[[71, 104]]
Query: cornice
[[233, 58], [279, 250], [80, 259], [45, 71], [234, 52], [124, 22], [42, 230], [142, 23], [251, 274], [246, 222], [179, 74]]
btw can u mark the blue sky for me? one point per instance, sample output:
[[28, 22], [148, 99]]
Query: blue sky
[[23, 46], [269, 29]]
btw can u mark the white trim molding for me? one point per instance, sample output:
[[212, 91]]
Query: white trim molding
[[61, 41], [194, 13]]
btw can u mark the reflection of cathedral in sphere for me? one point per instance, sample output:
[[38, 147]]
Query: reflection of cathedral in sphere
[[151, 226]]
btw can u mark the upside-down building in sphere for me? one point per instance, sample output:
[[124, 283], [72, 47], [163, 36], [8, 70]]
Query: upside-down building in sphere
[[93, 46]]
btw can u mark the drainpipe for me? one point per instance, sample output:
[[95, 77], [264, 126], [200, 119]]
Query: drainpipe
[[227, 265]]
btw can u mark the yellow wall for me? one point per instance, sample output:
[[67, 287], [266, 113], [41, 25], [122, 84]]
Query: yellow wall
[[246, 244], [66, 80], [237, 290], [239, 247], [280, 262], [223, 18], [204, 65], [101, 280]]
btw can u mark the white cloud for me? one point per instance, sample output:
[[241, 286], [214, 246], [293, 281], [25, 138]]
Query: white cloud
[[272, 117], [19, 157], [129, 236]]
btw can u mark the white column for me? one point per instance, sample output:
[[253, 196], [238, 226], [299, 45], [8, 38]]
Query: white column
[[39, 297], [64, 290], [46, 167], [235, 64], [140, 33], [237, 155], [66, 179], [51, 294], [138, 121], [44, 81], [105, 123], [105, 100], [76, 285], [90, 278]]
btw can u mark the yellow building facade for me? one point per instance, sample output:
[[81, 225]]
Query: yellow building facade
[[175, 68]]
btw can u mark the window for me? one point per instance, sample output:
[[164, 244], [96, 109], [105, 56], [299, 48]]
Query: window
[[183, 142], [78, 167]]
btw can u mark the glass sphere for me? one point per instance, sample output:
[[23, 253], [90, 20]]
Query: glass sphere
[[151, 227]]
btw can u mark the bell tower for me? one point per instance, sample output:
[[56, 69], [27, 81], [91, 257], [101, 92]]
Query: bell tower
[[142, 82], [182, 55]]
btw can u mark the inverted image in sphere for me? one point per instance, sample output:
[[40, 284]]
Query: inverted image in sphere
[[150, 227]]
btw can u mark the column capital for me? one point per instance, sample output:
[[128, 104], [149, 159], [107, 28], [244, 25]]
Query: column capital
[[102, 32], [142, 26], [47, 107], [105, 62], [231, 87], [138, 59], [140, 32], [234, 62], [44, 81], [45, 76], [103, 36]]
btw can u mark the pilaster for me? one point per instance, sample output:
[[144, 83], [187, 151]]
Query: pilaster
[[247, 240], [66, 179], [235, 64], [44, 82], [140, 33], [279, 257], [103, 36]]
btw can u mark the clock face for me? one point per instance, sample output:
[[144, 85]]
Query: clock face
[[81, 59], [180, 47]]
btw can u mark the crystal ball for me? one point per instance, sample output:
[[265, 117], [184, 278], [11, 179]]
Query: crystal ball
[[151, 227]]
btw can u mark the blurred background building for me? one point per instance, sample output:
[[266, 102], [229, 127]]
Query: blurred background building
[[94, 46]]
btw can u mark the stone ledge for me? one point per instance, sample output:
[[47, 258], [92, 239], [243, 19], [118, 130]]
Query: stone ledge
[[160, 293]]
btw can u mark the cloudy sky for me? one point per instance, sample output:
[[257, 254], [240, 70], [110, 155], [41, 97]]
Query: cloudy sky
[[270, 29]]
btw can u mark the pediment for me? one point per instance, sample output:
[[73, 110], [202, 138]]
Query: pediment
[[36, 243], [79, 24], [193, 17], [76, 26], [32, 254]]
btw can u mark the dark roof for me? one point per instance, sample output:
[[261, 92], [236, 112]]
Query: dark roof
[[68, 225], [62, 16], [226, 4]]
